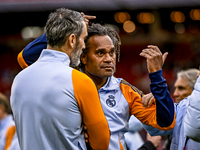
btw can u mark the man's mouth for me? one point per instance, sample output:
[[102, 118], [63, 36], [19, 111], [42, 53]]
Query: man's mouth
[[107, 67], [177, 99]]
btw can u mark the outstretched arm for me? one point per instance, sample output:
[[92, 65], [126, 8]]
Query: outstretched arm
[[32, 51]]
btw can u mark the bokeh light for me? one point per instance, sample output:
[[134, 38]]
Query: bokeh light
[[177, 16], [31, 32], [121, 17], [179, 28], [195, 14], [129, 26], [145, 18]]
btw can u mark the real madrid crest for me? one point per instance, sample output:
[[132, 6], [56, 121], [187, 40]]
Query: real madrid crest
[[111, 101]]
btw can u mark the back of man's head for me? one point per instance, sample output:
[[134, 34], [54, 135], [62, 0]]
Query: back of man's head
[[5, 103], [61, 24], [190, 75]]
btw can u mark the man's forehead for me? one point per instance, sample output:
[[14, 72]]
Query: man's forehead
[[103, 40], [181, 82]]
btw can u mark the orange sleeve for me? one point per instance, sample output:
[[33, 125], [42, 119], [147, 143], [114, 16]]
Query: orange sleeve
[[145, 115], [9, 135], [92, 113], [21, 60]]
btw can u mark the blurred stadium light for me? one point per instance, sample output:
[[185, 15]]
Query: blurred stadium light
[[138, 22]]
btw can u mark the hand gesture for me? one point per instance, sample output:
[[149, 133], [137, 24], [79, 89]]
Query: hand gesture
[[155, 59], [87, 18], [147, 100]]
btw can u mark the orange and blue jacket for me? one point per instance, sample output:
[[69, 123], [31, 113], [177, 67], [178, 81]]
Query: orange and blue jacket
[[120, 99], [51, 101]]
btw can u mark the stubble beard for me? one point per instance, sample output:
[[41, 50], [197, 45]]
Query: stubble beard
[[75, 56], [105, 74]]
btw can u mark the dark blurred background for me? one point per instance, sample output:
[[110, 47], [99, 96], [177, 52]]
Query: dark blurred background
[[172, 25]]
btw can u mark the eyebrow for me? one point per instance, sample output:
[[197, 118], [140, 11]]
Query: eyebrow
[[103, 49]]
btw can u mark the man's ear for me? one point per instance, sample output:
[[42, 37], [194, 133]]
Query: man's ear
[[83, 58], [72, 41]]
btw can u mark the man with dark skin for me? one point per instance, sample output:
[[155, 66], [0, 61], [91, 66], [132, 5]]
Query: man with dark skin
[[99, 59], [118, 98], [53, 88]]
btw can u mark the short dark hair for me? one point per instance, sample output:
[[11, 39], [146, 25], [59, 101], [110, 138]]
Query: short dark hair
[[4, 101], [100, 30], [61, 24]]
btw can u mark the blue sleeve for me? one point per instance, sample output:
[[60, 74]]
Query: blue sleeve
[[164, 102], [32, 51]]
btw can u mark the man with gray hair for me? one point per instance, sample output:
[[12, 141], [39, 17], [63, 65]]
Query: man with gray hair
[[119, 99], [51, 100], [192, 121], [184, 83], [184, 86]]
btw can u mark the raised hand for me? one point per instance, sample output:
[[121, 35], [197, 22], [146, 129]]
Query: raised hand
[[155, 59]]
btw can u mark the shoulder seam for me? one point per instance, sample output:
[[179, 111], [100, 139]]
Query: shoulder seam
[[132, 87]]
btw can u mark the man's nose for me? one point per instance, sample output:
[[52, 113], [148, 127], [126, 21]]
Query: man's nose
[[175, 93], [108, 57]]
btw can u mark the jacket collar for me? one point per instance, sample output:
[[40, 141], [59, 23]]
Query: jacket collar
[[111, 84], [53, 55]]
